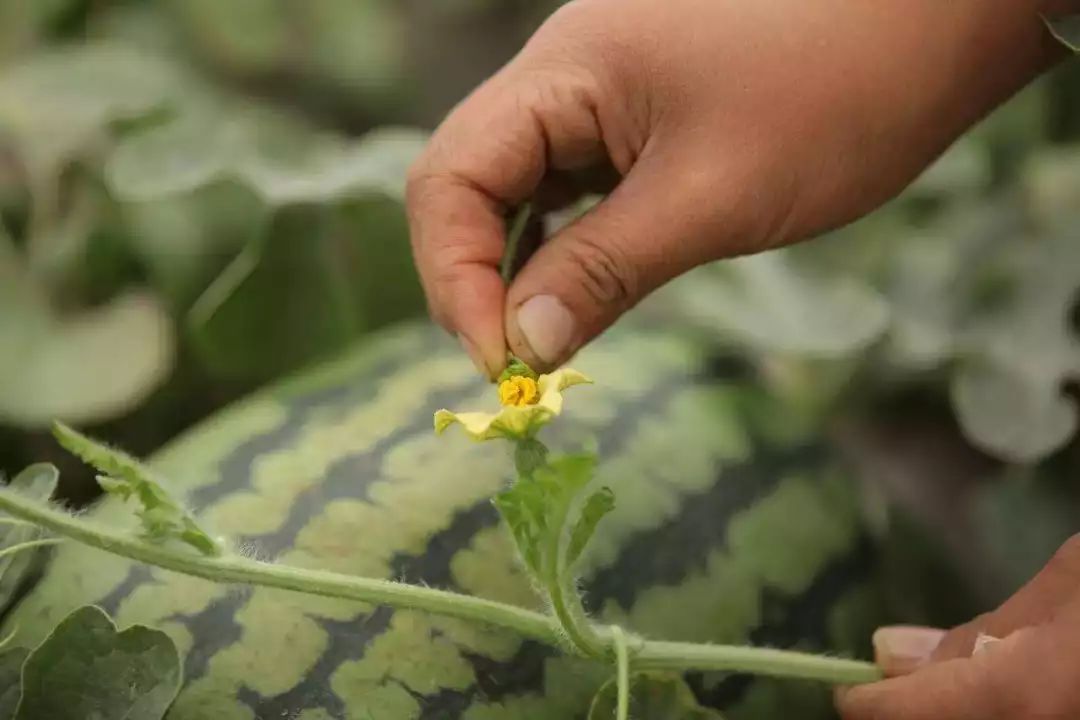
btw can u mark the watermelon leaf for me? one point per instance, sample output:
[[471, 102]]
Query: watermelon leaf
[[163, 518], [85, 668], [537, 508], [599, 504], [11, 664], [653, 696], [36, 482]]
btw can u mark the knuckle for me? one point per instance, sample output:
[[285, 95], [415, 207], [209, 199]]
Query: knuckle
[[607, 277]]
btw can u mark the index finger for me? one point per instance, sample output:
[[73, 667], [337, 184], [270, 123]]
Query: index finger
[[488, 155]]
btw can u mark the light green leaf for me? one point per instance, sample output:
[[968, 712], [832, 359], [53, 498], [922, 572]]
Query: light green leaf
[[773, 303], [37, 482], [86, 669], [283, 160], [1067, 30], [163, 518], [90, 366], [11, 664], [596, 507], [1008, 392], [653, 696], [59, 103]]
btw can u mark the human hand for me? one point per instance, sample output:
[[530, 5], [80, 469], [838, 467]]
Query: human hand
[[1031, 673], [733, 127]]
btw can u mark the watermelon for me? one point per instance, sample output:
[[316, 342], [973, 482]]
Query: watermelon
[[735, 523]]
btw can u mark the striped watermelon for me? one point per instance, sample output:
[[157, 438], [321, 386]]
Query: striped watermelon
[[732, 525]]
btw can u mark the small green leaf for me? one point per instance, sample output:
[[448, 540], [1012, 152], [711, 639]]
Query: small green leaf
[[515, 368], [596, 507], [163, 518], [653, 696], [86, 669], [537, 510], [11, 664]]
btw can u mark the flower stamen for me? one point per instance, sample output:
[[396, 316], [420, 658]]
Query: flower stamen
[[518, 391]]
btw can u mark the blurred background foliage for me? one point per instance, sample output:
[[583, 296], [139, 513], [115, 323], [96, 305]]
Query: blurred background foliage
[[197, 197]]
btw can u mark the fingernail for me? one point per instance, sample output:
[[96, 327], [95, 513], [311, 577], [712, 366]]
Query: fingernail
[[547, 326], [902, 649], [474, 355]]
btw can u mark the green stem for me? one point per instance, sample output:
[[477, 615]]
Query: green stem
[[29, 545], [566, 604], [312, 582], [622, 673], [656, 655], [513, 242], [649, 655]]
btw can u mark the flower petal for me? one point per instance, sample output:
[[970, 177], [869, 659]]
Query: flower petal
[[515, 421]]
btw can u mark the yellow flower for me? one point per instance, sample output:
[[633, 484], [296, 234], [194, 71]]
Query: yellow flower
[[522, 414], [519, 390]]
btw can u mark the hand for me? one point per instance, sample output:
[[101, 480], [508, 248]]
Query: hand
[[1031, 673], [732, 127]]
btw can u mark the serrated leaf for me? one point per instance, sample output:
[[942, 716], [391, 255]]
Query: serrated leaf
[[537, 509], [86, 367], [11, 664], [37, 482], [596, 507], [163, 518], [653, 696], [86, 669], [772, 303]]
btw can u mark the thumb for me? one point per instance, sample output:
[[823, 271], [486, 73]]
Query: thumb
[[584, 278], [990, 685]]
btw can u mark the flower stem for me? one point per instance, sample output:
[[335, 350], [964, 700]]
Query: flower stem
[[672, 656], [622, 673], [566, 604], [513, 243]]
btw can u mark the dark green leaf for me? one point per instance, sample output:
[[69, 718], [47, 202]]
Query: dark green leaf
[[86, 669], [11, 663], [163, 518], [596, 507], [653, 696]]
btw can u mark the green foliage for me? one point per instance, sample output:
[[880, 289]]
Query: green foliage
[[37, 482], [538, 511], [11, 664], [653, 696], [517, 367], [769, 303], [163, 518], [86, 669]]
